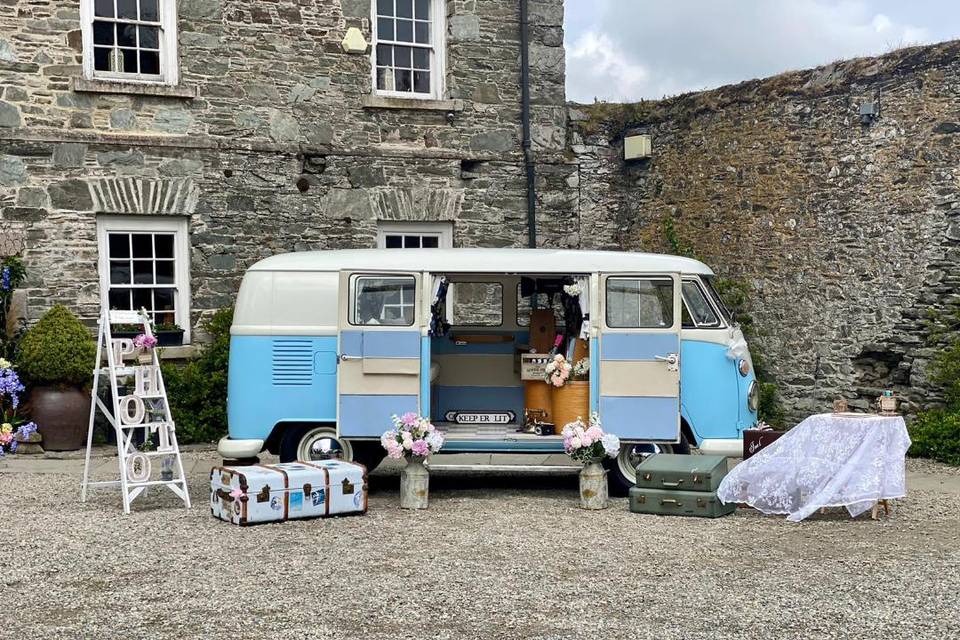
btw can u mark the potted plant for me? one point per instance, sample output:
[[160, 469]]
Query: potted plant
[[589, 445], [56, 357], [413, 438], [169, 334], [129, 331]]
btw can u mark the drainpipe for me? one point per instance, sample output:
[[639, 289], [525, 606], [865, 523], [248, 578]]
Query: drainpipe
[[525, 117]]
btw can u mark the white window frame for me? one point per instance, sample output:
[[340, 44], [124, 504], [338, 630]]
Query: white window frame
[[169, 61], [177, 225], [443, 231], [438, 54]]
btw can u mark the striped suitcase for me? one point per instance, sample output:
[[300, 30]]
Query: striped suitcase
[[253, 494]]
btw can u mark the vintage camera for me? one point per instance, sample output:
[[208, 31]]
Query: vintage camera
[[544, 429]]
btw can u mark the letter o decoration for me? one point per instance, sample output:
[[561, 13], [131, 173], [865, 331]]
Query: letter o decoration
[[138, 468], [138, 413]]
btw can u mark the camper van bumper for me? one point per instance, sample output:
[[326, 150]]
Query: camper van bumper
[[730, 447], [239, 449]]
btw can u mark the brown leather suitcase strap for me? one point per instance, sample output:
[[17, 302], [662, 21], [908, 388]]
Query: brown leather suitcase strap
[[243, 487], [286, 488], [326, 485]]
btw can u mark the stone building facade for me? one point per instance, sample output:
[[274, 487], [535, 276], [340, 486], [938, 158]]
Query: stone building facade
[[272, 139]]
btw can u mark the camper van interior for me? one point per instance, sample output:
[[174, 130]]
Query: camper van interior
[[492, 338]]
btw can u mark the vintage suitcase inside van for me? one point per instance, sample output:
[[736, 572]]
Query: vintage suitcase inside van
[[327, 345]]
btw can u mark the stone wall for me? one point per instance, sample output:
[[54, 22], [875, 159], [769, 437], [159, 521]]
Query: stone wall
[[847, 234], [279, 150]]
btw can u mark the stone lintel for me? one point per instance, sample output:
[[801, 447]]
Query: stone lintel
[[83, 85], [384, 102]]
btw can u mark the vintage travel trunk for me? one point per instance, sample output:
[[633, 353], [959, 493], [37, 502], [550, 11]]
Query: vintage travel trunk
[[682, 473], [679, 503], [756, 439], [273, 492]]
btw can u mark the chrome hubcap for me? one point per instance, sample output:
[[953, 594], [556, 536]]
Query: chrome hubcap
[[633, 454], [322, 444]]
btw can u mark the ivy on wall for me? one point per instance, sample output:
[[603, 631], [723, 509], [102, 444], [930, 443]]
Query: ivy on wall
[[736, 295]]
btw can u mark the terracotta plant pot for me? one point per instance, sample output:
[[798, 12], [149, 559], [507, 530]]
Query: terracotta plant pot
[[61, 416]]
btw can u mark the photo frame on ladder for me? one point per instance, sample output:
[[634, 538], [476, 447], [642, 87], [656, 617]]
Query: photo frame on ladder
[[133, 366]]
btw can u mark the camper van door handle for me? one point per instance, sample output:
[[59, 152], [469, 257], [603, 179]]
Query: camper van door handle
[[346, 357], [672, 360]]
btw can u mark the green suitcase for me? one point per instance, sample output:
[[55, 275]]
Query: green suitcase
[[670, 502], [682, 473]]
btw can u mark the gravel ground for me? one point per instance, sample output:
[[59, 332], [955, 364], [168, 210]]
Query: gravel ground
[[495, 556]]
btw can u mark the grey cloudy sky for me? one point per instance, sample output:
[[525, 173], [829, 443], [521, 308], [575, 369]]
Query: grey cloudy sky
[[620, 50]]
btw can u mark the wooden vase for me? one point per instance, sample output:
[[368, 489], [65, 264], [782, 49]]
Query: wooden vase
[[414, 484], [570, 402], [593, 487], [537, 396]]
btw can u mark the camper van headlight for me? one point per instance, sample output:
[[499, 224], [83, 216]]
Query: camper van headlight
[[753, 396], [743, 367]]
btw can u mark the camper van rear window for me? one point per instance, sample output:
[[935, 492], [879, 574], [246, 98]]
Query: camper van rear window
[[639, 303], [380, 300]]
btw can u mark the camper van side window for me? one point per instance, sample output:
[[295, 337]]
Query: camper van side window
[[639, 303], [384, 301]]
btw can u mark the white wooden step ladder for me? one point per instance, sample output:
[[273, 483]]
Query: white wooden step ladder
[[146, 408]]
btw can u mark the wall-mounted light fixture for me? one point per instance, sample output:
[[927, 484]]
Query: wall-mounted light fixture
[[637, 147], [353, 41]]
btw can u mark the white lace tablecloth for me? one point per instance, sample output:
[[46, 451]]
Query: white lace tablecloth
[[828, 460]]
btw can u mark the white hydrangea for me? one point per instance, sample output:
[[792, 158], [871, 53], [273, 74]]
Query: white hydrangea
[[611, 444]]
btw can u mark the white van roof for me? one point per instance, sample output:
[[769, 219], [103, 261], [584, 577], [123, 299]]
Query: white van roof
[[481, 261]]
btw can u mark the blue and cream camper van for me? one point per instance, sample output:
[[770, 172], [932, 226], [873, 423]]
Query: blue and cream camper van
[[326, 346]]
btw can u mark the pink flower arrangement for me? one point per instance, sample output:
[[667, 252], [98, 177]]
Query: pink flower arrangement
[[412, 435], [588, 443], [557, 371], [144, 342]]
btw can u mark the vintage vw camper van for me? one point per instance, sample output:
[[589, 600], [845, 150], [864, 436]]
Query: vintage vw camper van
[[326, 346]]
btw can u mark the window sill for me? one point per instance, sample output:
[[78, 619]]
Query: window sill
[[83, 85], [384, 102], [182, 352]]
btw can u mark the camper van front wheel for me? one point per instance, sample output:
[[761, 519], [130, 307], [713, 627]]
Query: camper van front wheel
[[305, 442], [621, 470]]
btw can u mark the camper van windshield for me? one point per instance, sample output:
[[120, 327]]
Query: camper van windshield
[[717, 298]]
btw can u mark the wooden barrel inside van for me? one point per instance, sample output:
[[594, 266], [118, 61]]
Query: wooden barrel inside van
[[571, 401], [536, 395]]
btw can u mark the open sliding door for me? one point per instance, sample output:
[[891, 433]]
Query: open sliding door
[[639, 381], [380, 322]]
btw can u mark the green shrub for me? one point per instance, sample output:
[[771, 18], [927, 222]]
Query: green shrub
[[197, 391], [946, 372], [936, 434], [58, 350]]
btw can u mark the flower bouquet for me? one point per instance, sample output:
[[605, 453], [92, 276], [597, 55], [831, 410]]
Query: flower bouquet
[[144, 345], [12, 428], [414, 438], [144, 342], [581, 369], [557, 371], [588, 445], [572, 290], [411, 436]]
